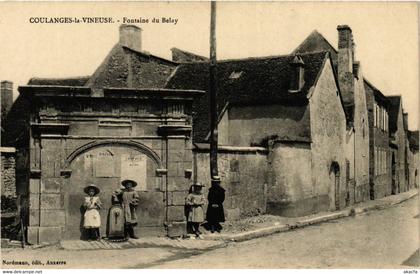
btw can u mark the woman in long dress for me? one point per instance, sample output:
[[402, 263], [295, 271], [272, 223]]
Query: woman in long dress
[[129, 199], [92, 219]]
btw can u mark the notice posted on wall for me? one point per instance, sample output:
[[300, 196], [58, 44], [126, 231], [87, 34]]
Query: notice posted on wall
[[133, 167]]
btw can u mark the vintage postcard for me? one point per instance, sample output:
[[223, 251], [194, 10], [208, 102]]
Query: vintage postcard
[[209, 135]]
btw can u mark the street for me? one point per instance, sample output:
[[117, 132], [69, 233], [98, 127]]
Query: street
[[379, 239]]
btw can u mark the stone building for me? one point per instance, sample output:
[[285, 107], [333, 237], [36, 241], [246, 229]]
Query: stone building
[[397, 145], [350, 79], [282, 130], [293, 135], [8, 172], [414, 159], [380, 164], [6, 98], [119, 123], [8, 154]]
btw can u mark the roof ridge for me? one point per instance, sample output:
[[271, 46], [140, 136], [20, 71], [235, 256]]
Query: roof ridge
[[148, 54], [314, 32], [190, 52], [272, 56], [59, 78]]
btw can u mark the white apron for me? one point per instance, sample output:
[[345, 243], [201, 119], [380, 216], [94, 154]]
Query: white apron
[[92, 219]]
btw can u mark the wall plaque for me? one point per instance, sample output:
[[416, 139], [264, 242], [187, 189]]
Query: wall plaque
[[104, 164], [133, 167]]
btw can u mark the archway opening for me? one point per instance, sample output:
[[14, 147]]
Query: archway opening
[[106, 164]]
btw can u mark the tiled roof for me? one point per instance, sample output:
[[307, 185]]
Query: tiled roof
[[317, 42], [379, 97], [183, 56], [71, 81], [122, 68], [253, 81], [128, 68], [394, 108]]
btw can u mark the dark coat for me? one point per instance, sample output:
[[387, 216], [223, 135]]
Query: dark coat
[[216, 197]]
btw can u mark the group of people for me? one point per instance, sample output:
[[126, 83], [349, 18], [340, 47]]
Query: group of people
[[195, 212], [128, 198]]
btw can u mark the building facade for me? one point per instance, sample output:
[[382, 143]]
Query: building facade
[[350, 79], [397, 139], [379, 164], [289, 106], [117, 124], [298, 134], [414, 159]]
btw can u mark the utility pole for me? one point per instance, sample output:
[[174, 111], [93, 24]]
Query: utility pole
[[213, 96]]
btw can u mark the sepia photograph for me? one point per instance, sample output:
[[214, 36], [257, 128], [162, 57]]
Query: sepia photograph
[[209, 135]]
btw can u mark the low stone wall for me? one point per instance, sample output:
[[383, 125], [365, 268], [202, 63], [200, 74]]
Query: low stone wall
[[8, 172], [243, 173]]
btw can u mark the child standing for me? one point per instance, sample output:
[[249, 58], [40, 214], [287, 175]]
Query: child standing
[[129, 199], [92, 219], [194, 203]]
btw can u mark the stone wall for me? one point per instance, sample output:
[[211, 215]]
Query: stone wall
[[361, 126], [8, 172], [243, 173], [252, 124], [328, 133], [400, 139], [290, 190], [124, 139], [414, 161]]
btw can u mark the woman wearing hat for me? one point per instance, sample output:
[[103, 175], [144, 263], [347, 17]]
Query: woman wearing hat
[[194, 203], [92, 219], [129, 199]]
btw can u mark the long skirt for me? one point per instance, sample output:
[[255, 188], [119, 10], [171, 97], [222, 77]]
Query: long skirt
[[92, 219]]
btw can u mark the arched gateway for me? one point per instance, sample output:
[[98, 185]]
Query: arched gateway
[[106, 163]]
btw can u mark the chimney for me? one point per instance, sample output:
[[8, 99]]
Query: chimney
[[345, 59], [130, 37], [297, 75], [345, 49], [6, 97]]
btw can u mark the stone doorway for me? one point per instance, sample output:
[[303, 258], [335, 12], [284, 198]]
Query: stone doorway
[[335, 177]]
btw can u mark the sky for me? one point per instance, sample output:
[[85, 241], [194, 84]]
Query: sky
[[385, 33]]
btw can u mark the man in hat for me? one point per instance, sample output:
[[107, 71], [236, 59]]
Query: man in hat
[[129, 199], [92, 219], [215, 213]]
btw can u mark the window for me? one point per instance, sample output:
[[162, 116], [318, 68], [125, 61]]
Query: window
[[383, 114], [374, 115]]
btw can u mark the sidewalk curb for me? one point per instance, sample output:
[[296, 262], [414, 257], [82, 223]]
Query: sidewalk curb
[[244, 236], [266, 231]]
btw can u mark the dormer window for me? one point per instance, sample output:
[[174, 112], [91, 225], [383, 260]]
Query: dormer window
[[297, 74]]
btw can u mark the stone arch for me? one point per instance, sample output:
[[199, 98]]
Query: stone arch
[[125, 143]]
